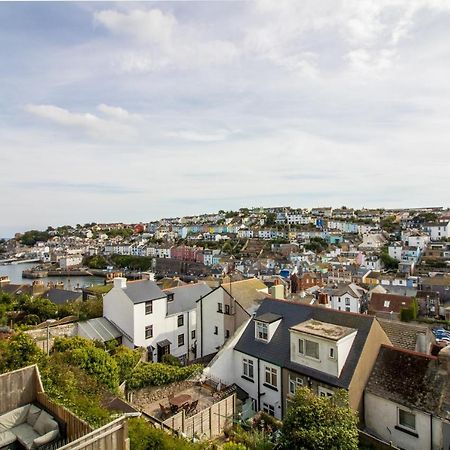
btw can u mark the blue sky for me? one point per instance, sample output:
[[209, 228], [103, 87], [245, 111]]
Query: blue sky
[[134, 111]]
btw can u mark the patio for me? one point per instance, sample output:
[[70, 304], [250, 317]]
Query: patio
[[203, 395]]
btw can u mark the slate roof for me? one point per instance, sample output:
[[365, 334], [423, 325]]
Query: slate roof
[[411, 379], [185, 297], [61, 296], [142, 291], [268, 317], [277, 351]]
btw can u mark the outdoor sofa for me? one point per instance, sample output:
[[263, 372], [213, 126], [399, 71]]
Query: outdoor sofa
[[29, 426]]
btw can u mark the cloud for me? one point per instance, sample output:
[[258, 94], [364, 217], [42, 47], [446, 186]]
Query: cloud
[[118, 113], [159, 41], [199, 136], [92, 124]]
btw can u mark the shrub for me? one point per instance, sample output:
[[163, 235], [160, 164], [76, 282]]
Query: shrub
[[320, 423], [126, 360], [157, 374], [145, 437], [17, 352], [233, 446], [171, 360]]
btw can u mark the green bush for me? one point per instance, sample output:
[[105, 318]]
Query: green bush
[[17, 352], [233, 446], [411, 313], [171, 360], [126, 360], [143, 436], [157, 374]]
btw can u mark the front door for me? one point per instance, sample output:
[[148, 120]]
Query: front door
[[163, 350]]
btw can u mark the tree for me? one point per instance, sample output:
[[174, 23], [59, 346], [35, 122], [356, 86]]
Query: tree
[[320, 423], [17, 352], [389, 262], [270, 219]]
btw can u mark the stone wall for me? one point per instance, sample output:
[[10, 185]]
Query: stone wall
[[39, 336], [148, 395]]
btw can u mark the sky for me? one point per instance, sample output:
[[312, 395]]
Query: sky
[[132, 111]]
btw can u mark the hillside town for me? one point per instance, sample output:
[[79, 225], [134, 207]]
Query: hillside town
[[254, 305]]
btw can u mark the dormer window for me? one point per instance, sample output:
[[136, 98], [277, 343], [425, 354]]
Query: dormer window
[[308, 348], [262, 331]]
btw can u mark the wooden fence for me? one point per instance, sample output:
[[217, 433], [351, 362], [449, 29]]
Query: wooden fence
[[207, 423], [113, 436], [75, 426], [18, 388], [370, 441]]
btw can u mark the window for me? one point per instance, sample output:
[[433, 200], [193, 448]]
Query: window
[[149, 307], [271, 376], [193, 334], [347, 301], [324, 392], [347, 308], [180, 320], [180, 340], [227, 309], [247, 368], [406, 419], [262, 331], [331, 354], [149, 332], [269, 409], [294, 384], [219, 307], [170, 297], [216, 330], [227, 334], [308, 348]]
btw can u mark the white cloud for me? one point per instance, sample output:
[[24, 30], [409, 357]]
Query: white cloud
[[93, 125], [118, 113], [197, 136]]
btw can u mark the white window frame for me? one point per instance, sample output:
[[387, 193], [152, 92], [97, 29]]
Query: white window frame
[[405, 426], [271, 373], [269, 409], [248, 368], [324, 392], [302, 344], [262, 331], [149, 328], [294, 384]]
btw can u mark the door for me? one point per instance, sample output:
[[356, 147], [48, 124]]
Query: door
[[163, 350]]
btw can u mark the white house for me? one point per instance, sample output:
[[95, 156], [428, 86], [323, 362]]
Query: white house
[[439, 230], [345, 297], [160, 321], [406, 399], [287, 344]]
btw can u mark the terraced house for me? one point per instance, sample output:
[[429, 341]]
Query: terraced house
[[287, 345]]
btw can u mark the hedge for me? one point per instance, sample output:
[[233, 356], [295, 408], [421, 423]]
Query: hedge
[[157, 374]]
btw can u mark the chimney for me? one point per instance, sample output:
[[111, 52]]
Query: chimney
[[421, 343], [444, 359], [120, 282]]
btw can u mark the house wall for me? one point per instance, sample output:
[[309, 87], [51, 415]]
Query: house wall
[[118, 308], [336, 304], [369, 354], [381, 417], [209, 318]]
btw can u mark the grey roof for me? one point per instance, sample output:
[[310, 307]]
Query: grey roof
[[100, 329], [164, 343], [61, 296], [277, 351], [142, 291], [268, 317], [185, 297]]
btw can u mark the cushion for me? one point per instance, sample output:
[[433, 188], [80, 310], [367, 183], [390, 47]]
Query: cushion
[[33, 415], [6, 438], [25, 435], [14, 418], [44, 423], [45, 438]]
